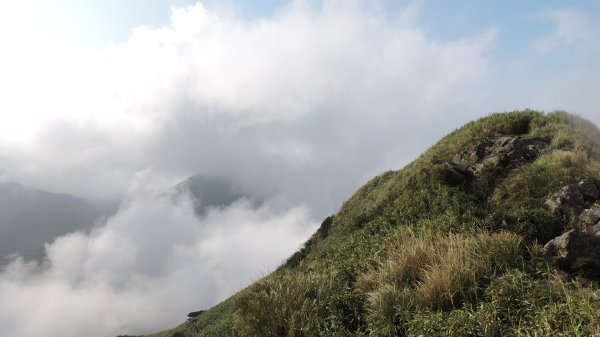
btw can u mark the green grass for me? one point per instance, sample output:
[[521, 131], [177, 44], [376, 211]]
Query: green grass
[[217, 321], [412, 253]]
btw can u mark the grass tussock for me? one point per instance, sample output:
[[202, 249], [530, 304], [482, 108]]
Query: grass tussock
[[434, 272], [291, 304]]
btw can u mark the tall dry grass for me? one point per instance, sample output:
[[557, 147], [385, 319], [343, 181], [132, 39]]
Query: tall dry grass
[[434, 271]]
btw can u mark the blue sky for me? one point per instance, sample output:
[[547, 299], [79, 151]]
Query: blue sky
[[517, 23]]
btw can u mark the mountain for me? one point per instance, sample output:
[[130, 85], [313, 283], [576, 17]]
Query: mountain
[[30, 217], [494, 231], [208, 192]]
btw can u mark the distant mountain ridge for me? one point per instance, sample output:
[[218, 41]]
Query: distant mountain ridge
[[30, 217], [209, 192]]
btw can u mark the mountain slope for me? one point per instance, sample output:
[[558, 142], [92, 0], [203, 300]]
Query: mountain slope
[[206, 193], [493, 231], [30, 217]]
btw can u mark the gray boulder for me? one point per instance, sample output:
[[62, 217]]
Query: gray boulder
[[516, 149], [507, 152], [504, 151], [478, 168], [590, 216], [576, 252], [589, 189], [567, 203]]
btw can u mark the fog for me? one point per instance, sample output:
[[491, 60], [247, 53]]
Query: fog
[[146, 268]]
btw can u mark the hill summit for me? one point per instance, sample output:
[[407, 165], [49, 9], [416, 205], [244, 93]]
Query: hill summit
[[494, 231]]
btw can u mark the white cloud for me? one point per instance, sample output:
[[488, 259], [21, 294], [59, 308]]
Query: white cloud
[[145, 269], [573, 30], [302, 88]]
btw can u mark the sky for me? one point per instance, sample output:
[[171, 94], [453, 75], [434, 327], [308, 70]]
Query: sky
[[298, 102]]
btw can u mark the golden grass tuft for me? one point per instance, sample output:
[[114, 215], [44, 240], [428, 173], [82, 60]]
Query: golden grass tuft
[[434, 271]]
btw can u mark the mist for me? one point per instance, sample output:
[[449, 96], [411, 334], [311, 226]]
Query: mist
[[146, 268]]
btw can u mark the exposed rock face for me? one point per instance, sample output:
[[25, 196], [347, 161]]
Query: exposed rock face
[[566, 203], [514, 150], [478, 167], [578, 250], [589, 188], [458, 174], [577, 205], [505, 151], [195, 313], [591, 216], [577, 202]]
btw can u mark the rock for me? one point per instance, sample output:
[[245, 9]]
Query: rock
[[589, 189], [576, 252], [195, 314], [479, 168], [577, 202], [475, 154], [566, 203], [591, 216], [462, 169], [489, 164], [515, 150], [457, 174], [557, 246], [503, 151], [480, 149], [595, 229]]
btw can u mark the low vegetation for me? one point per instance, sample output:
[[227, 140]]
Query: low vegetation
[[451, 245]]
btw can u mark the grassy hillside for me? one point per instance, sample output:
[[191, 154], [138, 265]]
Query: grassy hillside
[[451, 245]]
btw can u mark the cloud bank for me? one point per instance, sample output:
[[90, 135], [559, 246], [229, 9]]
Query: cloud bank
[[145, 269], [307, 94], [299, 107]]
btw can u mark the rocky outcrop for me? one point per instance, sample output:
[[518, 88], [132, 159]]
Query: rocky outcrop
[[194, 314], [577, 203], [457, 174], [478, 167], [589, 188], [567, 203], [506, 151], [590, 217], [578, 250]]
